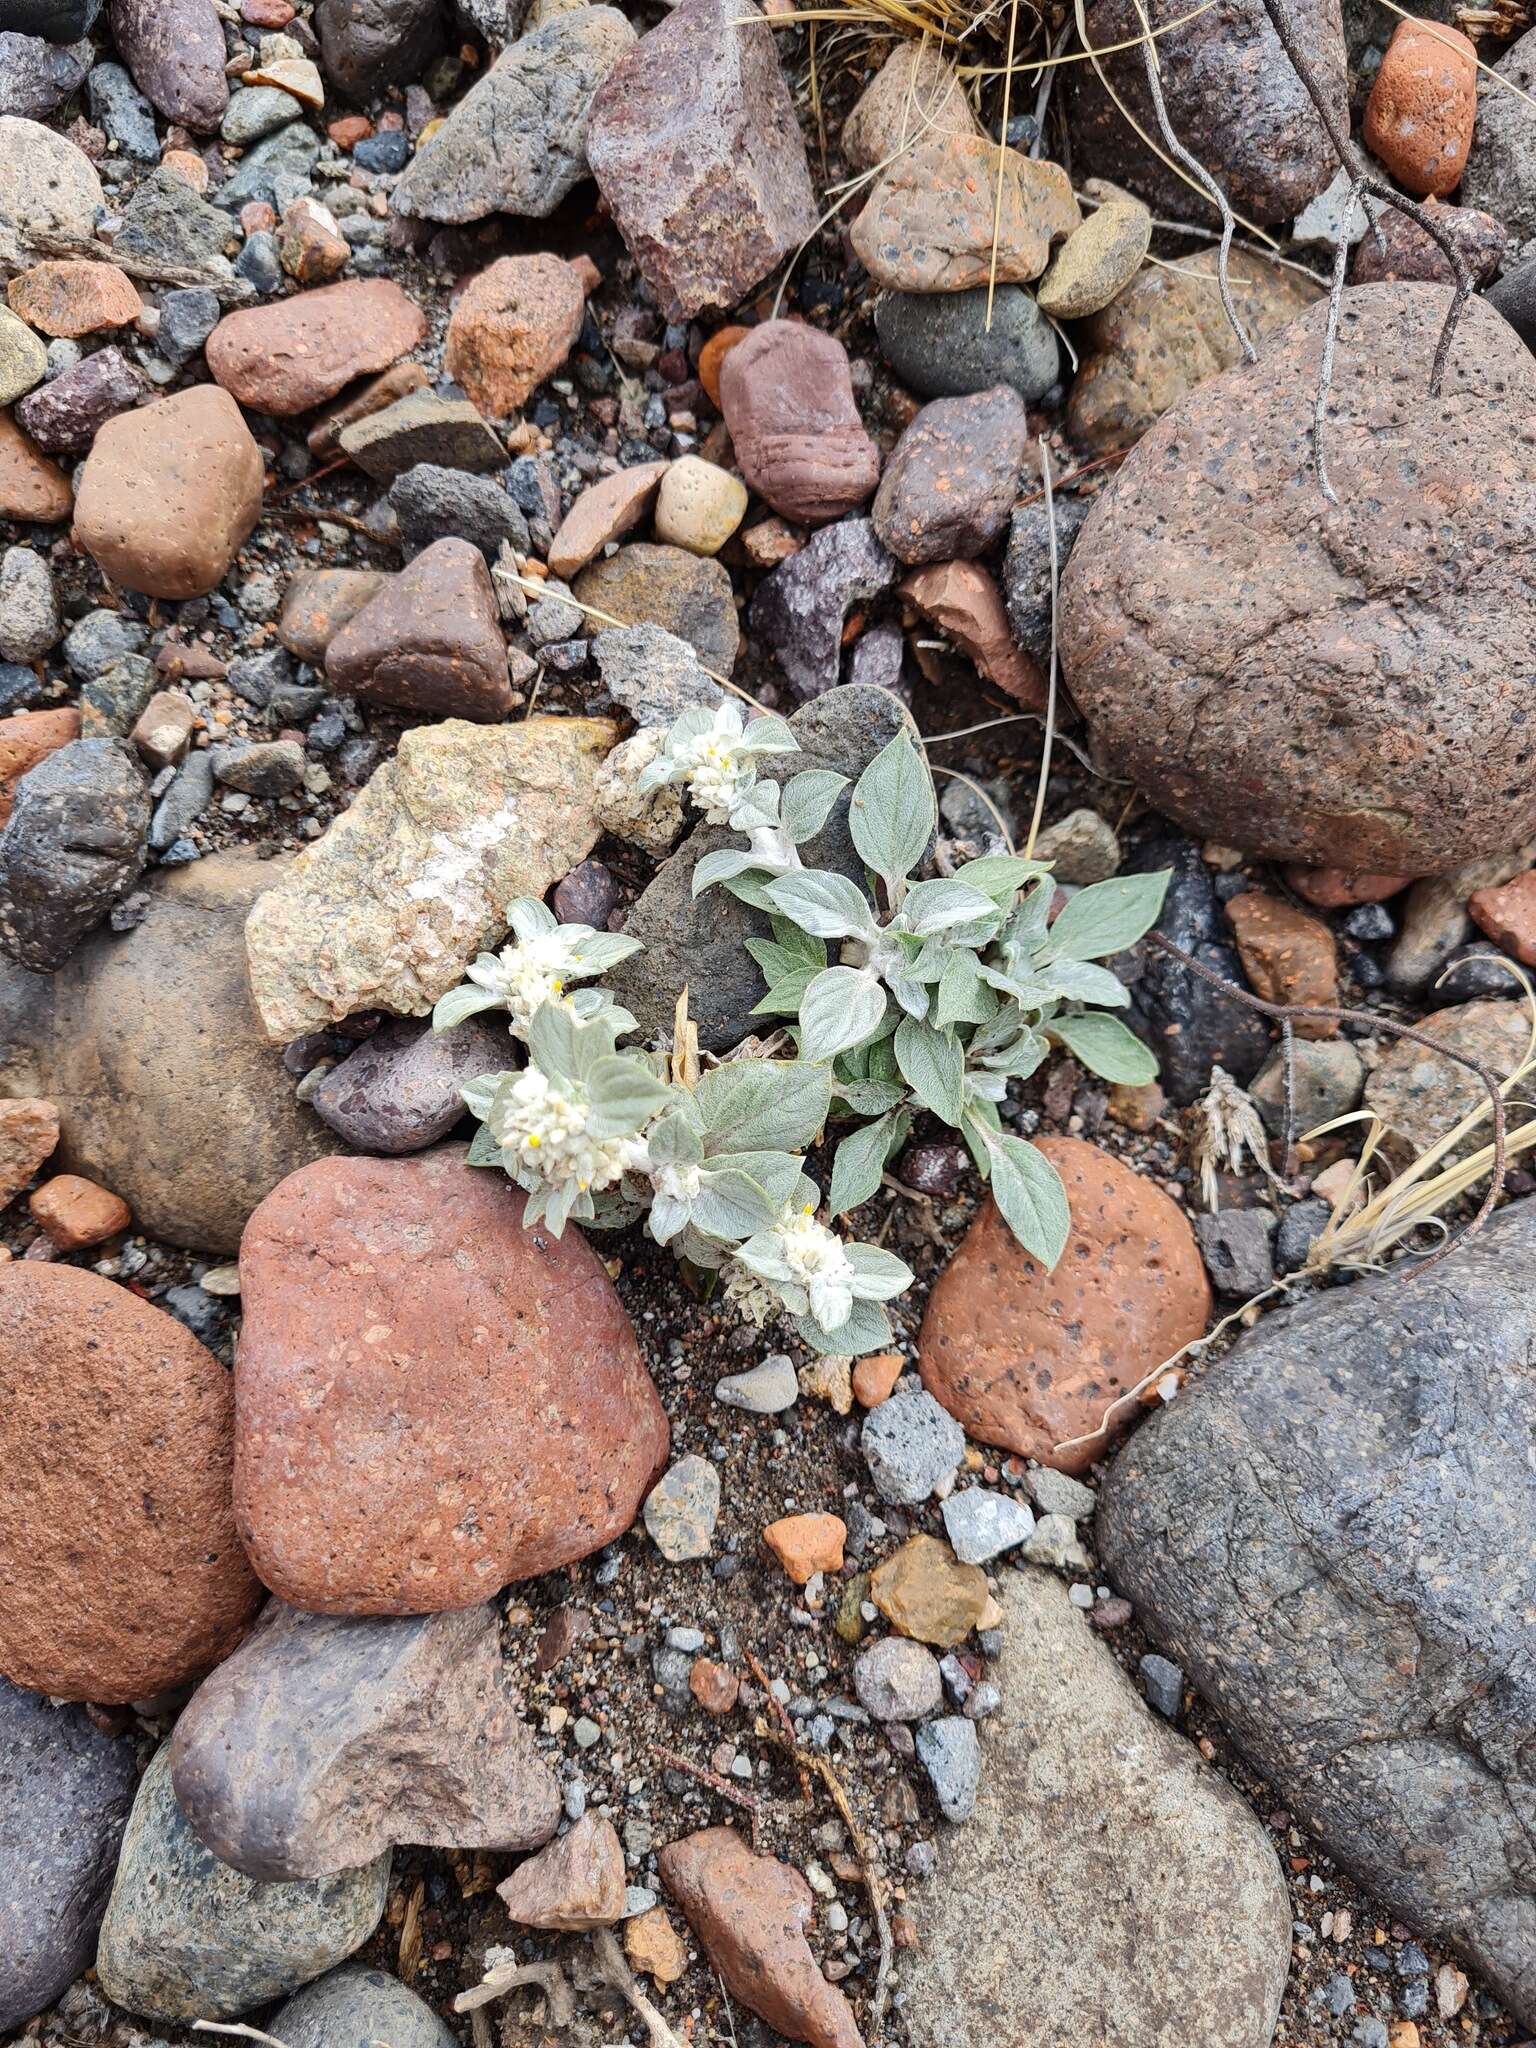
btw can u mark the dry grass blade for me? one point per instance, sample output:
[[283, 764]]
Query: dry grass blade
[[1050, 684], [235, 2027], [1002, 161]]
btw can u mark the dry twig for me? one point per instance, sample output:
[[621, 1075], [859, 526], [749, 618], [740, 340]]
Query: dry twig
[[235, 2027], [786, 1726], [613, 1971], [507, 1977], [721, 1787]]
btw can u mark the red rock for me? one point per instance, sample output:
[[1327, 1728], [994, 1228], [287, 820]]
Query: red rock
[[605, 511], [574, 1884], [319, 602], [786, 394], [513, 326], [120, 1572], [1507, 914], [715, 1686], [1336, 888], [430, 641], [406, 1342], [915, 94], [963, 601], [349, 131], [75, 1212], [29, 1132], [751, 1913], [874, 1378], [170, 493], [1407, 254], [310, 246], [285, 357], [1419, 117], [71, 298], [807, 1544], [272, 14], [28, 738], [1027, 1359], [1288, 956], [258, 217]]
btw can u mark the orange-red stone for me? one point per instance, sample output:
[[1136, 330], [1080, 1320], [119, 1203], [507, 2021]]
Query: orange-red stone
[[1420, 115]]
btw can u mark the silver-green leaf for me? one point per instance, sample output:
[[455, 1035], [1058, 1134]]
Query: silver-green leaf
[[1106, 1047], [893, 812]]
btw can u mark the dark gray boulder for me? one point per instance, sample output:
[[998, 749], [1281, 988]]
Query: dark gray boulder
[[1335, 1534], [65, 1791], [73, 844]]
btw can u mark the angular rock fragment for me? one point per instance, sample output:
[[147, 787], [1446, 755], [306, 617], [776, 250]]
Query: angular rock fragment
[[429, 642], [73, 844]]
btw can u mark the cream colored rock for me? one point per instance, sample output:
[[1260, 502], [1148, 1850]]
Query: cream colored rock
[[1096, 261], [915, 93], [699, 505], [409, 884], [653, 821]]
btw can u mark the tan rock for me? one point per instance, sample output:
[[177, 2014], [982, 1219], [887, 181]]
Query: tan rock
[[1420, 1094], [931, 222], [310, 244], [962, 599], [690, 595], [1029, 1360], [32, 487], [170, 493], [573, 1884], [29, 1132], [75, 1212], [412, 881], [1288, 956], [925, 1592], [74, 298], [699, 505], [654, 1947], [652, 820], [1096, 261], [292, 354], [26, 739], [513, 326], [163, 731], [605, 511], [377, 395], [874, 1378], [914, 96], [715, 1686], [807, 1544]]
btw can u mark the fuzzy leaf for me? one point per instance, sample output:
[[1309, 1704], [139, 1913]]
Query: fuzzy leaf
[[843, 1007], [808, 800], [858, 1164], [528, 918], [1028, 1191], [868, 1328], [946, 905], [731, 1206], [623, 1094], [870, 1098], [878, 1275], [1107, 1048], [723, 865], [786, 996], [1079, 981], [963, 997], [1107, 917], [826, 906], [484, 1150], [768, 734], [933, 1066], [893, 812], [467, 1000], [762, 1105], [1000, 875]]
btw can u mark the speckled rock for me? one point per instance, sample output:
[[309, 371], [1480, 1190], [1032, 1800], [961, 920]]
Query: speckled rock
[[1418, 119], [929, 226], [1029, 575], [413, 879], [65, 1790], [1288, 956], [29, 1133], [1326, 1082], [1501, 170], [1196, 701], [65, 415], [401, 1301], [898, 1680], [354, 2007], [47, 186], [513, 326], [1027, 1359], [367, 45], [800, 607], [911, 1446], [750, 1913], [430, 642], [1419, 1095], [516, 142], [916, 92], [319, 602], [942, 346], [689, 595], [37, 77], [323, 1742], [682, 1508], [699, 505], [150, 1601], [23, 358], [1096, 262], [696, 147], [74, 297], [291, 355], [1232, 96], [604, 511], [575, 1884], [73, 844], [950, 483], [1407, 255], [1090, 1808], [1165, 334], [1333, 1536], [399, 1091], [185, 1937], [175, 50], [170, 493], [786, 395]]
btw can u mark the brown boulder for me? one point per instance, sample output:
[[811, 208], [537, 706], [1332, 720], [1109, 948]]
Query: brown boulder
[[952, 478], [513, 326], [1334, 685], [751, 1913], [932, 223], [120, 1571], [72, 298], [575, 1884], [406, 1342], [285, 357], [787, 396], [170, 493], [1029, 1360], [33, 488], [26, 739], [430, 641]]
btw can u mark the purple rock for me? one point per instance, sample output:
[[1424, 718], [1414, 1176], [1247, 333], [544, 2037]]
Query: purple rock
[[325, 1740], [801, 607], [952, 478], [694, 142], [37, 76], [876, 658], [66, 415], [399, 1091], [931, 1169], [175, 50], [588, 895], [65, 1791]]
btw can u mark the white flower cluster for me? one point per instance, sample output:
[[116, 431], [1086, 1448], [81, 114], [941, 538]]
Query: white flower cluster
[[819, 1263], [718, 776], [546, 1128], [525, 975]]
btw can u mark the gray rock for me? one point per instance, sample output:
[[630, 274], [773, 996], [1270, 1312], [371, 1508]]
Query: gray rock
[[259, 677], [93, 644], [367, 45], [1500, 176], [47, 186], [260, 262], [65, 1791], [63, 416], [61, 21], [949, 1750], [939, 343], [652, 673], [1420, 1095], [183, 803], [112, 703], [1472, 974], [898, 1680], [981, 1524], [768, 1389], [30, 624], [1096, 1816], [1333, 1535], [267, 768], [1056, 1543], [187, 318], [186, 1937], [699, 940], [1027, 568], [355, 2007], [1435, 920], [74, 843], [324, 1741], [421, 427], [1057, 1493], [1328, 1077], [256, 111], [1300, 1227], [876, 660], [399, 1092], [175, 50], [516, 142], [167, 222], [430, 501], [682, 1509], [1163, 1684], [800, 607], [1236, 1245], [911, 1445], [121, 109], [37, 77], [290, 153]]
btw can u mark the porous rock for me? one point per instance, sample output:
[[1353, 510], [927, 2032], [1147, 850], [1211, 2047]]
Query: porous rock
[[175, 50], [356, 2006], [689, 595], [800, 607], [950, 483], [575, 1884], [298, 352], [513, 326], [942, 218], [916, 92], [73, 844], [1500, 176]]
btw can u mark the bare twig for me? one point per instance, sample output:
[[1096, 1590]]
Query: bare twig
[[548, 1976], [235, 2027], [721, 1787], [1050, 685], [615, 1972], [781, 1715], [231, 290], [1330, 340], [1002, 162]]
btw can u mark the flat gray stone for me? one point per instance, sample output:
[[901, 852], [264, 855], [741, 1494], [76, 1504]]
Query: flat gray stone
[[949, 1750], [981, 1524], [911, 1445], [358, 2007], [768, 1389], [898, 1680], [940, 345]]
